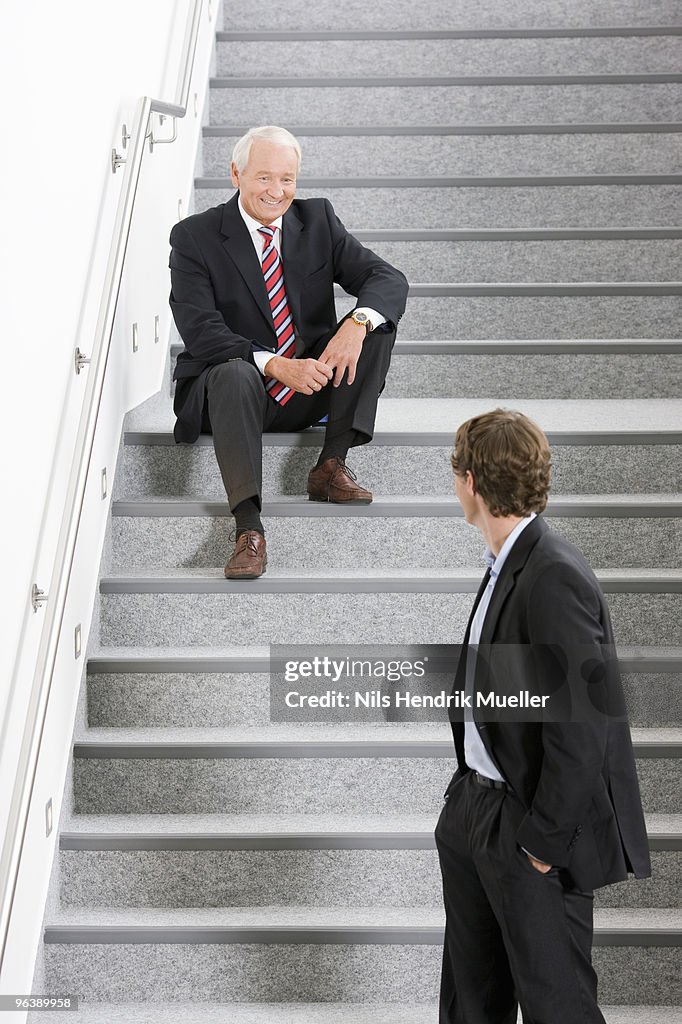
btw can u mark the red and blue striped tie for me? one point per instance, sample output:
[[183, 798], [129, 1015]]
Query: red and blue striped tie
[[281, 314]]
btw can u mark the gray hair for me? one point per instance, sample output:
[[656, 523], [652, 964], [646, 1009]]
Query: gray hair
[[269, 132]]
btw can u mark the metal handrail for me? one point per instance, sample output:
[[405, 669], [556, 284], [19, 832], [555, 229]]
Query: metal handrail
[[55, 602]]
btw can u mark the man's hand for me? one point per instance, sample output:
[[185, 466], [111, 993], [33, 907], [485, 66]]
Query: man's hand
[[303, 375], [343, 351], [539, 865]]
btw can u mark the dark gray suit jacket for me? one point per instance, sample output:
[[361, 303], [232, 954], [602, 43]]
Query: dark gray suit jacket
[[548, 631], [219, 300]]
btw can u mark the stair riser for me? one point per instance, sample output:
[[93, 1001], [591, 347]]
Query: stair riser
[[351, 542], [458, 14], [568, 261], [417, 57], [241, 618], [339, 878], [225, 699], [420, 105], [181, 471], [529, 376], [362, 785], [308, 973], [487, 155], [505, 377], [509, 207], [538, 316]]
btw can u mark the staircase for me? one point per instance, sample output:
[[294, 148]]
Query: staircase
[[519, 160]]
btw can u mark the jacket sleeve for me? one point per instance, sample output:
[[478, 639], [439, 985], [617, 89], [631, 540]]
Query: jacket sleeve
[[572, 664], [192, 300], [364, 274]]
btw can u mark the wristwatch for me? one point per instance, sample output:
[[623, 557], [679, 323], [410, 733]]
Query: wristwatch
[[362, 320]]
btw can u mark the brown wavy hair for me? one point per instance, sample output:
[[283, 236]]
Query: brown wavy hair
[[509, 458]]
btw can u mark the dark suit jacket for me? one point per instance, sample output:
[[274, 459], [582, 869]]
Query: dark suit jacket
[[219, 300], [550, 632]]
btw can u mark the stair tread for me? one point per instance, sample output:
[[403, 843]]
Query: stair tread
[[319, 917], [281, 824], [303, 1013], [408, 416]]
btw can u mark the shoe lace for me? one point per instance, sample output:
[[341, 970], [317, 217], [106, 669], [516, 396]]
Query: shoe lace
[[245, 540], [344, 468]]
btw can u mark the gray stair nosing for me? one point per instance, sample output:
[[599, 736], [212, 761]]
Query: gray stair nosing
[[517, 288], [309, 749], [583, 346], [315, 935], [415, 584], [312, 437], [433, 508], [113, 842], [515, 234], [530, 346], [465, 181], [635, 661], [488, 33], [548, 128], [443, 81]]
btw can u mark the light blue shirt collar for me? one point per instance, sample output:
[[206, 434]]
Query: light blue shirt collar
[[495, 564]]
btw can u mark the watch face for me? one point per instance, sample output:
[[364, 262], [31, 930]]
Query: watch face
[[360, 318]]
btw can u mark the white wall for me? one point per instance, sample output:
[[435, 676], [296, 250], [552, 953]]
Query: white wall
[[71, 73]]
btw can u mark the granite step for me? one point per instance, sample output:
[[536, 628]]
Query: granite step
[[550, 260], [279, 860], [634, 532], [460, 15], [369, 101], [307, 954], [610, 446], [543, 369], [198, 772], [452, 154], [229, 688], [525, 369], [484, 202], [152, 465], [199, 606], [446, 56], [533, 311]]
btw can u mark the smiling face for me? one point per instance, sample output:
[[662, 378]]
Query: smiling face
[[267, 185]]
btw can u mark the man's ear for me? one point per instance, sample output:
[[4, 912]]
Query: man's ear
[[235, 174], [470, 483]]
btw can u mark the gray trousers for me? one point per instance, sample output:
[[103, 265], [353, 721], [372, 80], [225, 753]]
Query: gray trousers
[[238, 411]]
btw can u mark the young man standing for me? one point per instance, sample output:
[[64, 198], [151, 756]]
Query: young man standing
[[544, 807]]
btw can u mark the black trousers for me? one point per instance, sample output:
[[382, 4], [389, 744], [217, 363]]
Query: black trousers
[[512, 935], [239, 411]]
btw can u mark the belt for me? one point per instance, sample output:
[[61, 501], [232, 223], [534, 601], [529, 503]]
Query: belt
[[482, 780]]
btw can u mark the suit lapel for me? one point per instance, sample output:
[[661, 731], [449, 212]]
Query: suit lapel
[[239, 247], [517, 558]]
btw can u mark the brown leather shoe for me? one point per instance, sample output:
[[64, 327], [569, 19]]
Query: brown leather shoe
[[249, 558], [334, 481]]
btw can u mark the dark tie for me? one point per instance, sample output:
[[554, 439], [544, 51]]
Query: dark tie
[[279, 306]]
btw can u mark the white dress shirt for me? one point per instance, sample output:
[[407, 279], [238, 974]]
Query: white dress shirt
[[261, 357], [475, 753]]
